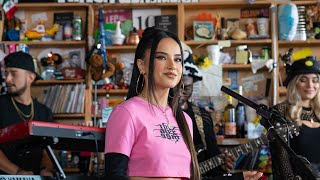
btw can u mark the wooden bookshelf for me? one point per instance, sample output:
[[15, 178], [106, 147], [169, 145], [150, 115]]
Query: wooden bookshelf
[[54, 82], [306, 43], [48, 43], [231, 141], [255, 42], [68, 116], [282, 91], [103, 92]]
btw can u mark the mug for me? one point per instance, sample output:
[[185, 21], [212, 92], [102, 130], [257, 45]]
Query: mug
[[214, 54], [263, 26]]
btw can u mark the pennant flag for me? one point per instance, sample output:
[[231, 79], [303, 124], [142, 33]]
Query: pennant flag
[[9, 8]]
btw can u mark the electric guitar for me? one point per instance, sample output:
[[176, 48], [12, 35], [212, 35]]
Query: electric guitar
[[283, 131]]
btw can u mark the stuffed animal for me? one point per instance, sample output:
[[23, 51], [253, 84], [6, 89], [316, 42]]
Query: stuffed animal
[[97, 71]]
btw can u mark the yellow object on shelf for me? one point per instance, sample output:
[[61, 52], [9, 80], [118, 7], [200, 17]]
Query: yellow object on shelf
[[301, 54]]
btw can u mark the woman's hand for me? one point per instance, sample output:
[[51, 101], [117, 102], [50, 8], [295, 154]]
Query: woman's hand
[[229, 161], [252, 175], [46, 172], [23, 172]]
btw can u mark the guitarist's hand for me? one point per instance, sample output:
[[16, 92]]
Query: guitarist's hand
[[229, 161], [252, 175]]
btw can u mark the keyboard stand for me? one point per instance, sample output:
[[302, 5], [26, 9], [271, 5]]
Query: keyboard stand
[[59, 174]]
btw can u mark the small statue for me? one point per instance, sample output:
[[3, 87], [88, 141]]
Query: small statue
[[286, 58]]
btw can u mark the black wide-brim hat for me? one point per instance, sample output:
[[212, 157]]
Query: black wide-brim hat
[[21, 60], [190, 69], [303, 66]]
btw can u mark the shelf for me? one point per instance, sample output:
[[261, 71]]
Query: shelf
[[140, 5], [257, 42], [299, 2], [68, 116], [51, 6], [231, 141], [299, 43], [282, 91], [102, 92], [225, 4], [236, 66], [48, 43], [98, 116], [71, 170], [124, 48], [54, 81]]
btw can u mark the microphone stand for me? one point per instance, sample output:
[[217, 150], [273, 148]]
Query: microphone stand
[[272, 114]]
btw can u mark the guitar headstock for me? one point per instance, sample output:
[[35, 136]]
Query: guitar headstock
[[285, 130]]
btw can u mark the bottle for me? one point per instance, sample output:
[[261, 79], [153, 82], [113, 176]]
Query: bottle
[[230, 128], [77, 28], [241, 118], [67, 31], [118, 37]]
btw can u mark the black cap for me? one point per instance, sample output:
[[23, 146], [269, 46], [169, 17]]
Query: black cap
[[302, 66], [21, 60]]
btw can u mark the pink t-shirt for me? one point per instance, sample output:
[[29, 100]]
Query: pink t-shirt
[[155, 149]]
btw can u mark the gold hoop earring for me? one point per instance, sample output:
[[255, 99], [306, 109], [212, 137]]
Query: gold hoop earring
[[138, 83]]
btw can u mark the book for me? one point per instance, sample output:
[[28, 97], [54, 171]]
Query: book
[[63, 18], [167, 23], [233, 77], [203, 30], [122, 15], [110, 18], [143, 18], [254, 12]]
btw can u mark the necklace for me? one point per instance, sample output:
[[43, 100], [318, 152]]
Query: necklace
[[308, 115], [164, 112], [21, 114]]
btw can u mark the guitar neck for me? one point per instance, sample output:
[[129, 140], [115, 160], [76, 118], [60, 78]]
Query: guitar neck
[[213, 162]]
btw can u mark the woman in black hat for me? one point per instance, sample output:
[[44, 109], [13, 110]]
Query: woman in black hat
[[302, 106]]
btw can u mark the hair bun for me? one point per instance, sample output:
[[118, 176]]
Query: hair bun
[[151, 31]]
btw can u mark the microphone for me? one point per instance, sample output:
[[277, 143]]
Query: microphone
[[263, 110]]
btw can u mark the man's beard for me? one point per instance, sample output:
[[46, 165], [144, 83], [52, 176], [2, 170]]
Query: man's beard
[[18, 92]]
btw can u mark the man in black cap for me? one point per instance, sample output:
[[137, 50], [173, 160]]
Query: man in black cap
[[302, 107], [204, 137], [18, 106]]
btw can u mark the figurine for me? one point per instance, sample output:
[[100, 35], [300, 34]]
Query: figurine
[[39, 31]]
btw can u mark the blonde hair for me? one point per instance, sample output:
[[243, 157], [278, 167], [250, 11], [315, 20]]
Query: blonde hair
[[294, 109]]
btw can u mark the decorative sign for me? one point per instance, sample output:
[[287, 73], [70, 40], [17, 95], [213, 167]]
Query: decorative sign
[[143, 18]]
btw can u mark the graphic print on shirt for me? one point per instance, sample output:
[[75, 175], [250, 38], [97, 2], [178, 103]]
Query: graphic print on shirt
[[167, 132]]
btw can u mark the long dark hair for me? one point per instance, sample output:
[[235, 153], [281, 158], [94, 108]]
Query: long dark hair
[[150, 40]]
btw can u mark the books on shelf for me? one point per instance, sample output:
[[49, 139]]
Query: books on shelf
[[65, 98]]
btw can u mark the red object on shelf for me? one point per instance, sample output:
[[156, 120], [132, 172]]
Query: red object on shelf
[[108, 86]]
